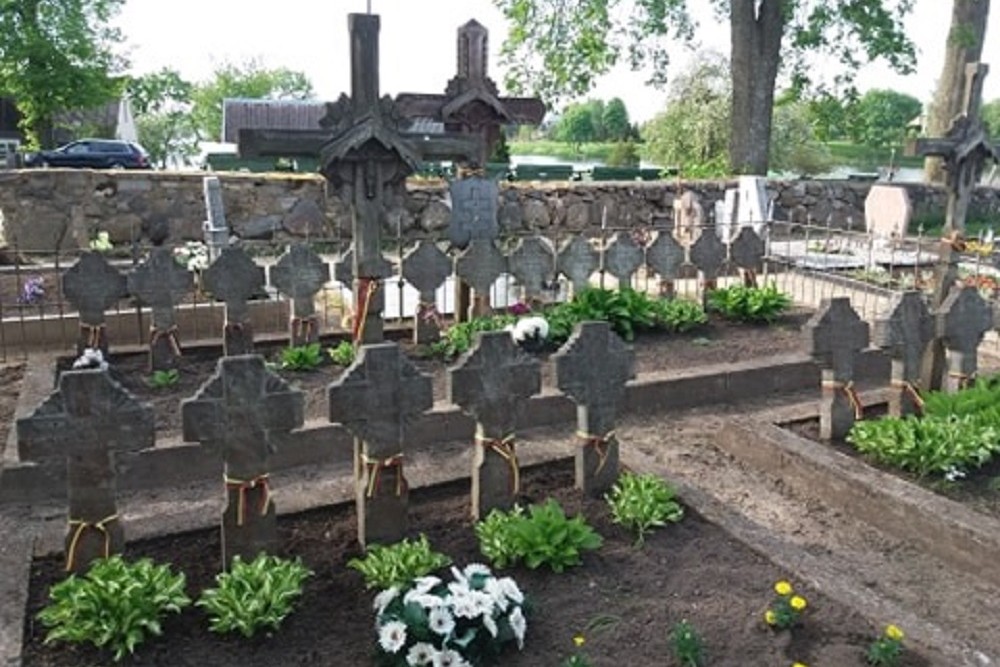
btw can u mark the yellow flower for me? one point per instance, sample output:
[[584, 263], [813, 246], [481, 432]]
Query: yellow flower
[[783, 588], [798, 603], [799, 664], [769, 617], [894, 633], [579, 640]]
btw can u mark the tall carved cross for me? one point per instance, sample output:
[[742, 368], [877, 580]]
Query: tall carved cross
[[965, 149]]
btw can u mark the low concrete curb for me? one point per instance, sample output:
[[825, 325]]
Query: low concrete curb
[[963, 538]]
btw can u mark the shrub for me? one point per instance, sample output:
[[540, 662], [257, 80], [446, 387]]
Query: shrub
[[642, 502], [543, 536], [749, 304], [254, 595], [114, 605], [679, 315], [343, 354], [397, 565], [302, 357], [458, 338]]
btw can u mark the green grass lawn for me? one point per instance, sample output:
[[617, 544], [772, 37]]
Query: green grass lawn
[[558, 149], [868, 158]]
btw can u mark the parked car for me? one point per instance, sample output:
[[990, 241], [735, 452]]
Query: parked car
[[92, 154]]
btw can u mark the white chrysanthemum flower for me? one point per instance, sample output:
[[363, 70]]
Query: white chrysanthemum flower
[[91, 357], [518, 625], [425, 600], [425, 584], [459, 590], [490, 624], [460, 578], [383, 599], [496, 591], [465, 609], [511, 590], [441, 621], [530, 328], [450, 658], [482, 603], [473, 569], [421, 653], [392, 636]]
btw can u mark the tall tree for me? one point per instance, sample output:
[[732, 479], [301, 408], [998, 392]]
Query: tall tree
[[249, 80], [558, 48], [615, 120], [55, 56], [162, 105], [964, 45], [880, 117]]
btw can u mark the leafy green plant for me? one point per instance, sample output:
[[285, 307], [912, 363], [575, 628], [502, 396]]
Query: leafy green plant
[[786, 608], [116, 604], [397, 565], [164, 379], [542, 536], [679, 315], [687, 645], [254, 595], [886, 650], [749, 304], [302, 357], [642, 502], [343, 354], [458, 338]]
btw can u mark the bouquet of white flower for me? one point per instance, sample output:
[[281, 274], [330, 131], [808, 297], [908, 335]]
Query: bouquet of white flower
[[193, 256], [449, 624]]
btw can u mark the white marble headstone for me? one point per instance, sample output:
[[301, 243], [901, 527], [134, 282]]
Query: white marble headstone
[[887, 212], [726, 220]]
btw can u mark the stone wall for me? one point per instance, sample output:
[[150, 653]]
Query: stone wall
[[62, 208]]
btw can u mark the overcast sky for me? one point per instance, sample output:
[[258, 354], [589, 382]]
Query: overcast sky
[[418, 44]]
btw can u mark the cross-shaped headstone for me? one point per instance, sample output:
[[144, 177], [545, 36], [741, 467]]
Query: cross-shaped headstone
[[159, 282], [238, 410], [533, 263], [965, 149], [665, 257], [592, 368], [480, 265], [578, 260], [299, 275], [708, 254], [235, 278], [905, 333], [746, 251], [622, 258], [216, 230], [962, 321], [426, 267], [491, 383], [85, 423], [92, 286], [834, 335], [376, 399]]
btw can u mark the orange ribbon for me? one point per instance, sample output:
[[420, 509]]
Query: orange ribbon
[[964, 381], [376, 467], [600, 445], [907, 387], [851, 393], [171, 336], [302, 327], [504, 447], [242, 486], [81, 526], [366, 290], [93, 333]]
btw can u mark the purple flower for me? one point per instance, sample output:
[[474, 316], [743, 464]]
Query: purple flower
[[32, 291], [519, 308]]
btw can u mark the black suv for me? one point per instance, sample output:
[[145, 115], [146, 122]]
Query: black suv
[[92, 154]]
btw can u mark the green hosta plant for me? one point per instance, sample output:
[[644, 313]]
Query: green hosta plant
[[115, 605], [542, 536], [302, 357], [164, 379], [255, 595], [749, 304], [679, 315], [458, 338], [396, 565], [343, 354], [643, 502]]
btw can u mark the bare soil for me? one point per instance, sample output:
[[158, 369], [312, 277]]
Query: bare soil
[[692, 570]]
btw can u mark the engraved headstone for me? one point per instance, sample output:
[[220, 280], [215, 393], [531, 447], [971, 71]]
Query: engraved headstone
[[689, 218], [834, 336], [905, 333], [532, 263], [491, 383], [92, 286], [299, 275], [592, 368], [376, 399], [578, 260], [887, 212], [426, 267], [238, 410], [474, 208], [622, 258], [727, 224], [84, 424], [962, 321], [215, 227], [159, 283], [235, 278], [480, 265], [752, 207]]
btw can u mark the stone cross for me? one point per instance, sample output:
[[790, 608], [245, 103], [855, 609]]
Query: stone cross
[[578, 260], [426, 267], [665, 257], [215, 228], [592, 368], [622, 258], [480, 265], [491, 383], [834, 335], [376, 399], [238, 410], [159, 282], [299, 275], [85, 423], [92, 286], [962, 321], [746, 251], [905, 332], [533, 263], [708, 254], [234, 278], [965, 150]]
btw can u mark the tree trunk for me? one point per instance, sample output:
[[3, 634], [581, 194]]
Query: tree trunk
[[756, 29], [965, 45]]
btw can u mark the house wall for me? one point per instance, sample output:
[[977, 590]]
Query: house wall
[[48, 209]]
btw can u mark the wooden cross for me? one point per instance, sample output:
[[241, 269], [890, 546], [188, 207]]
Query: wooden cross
[[159, 282], [84, 423], [237, 410], [965, 149], [491, 383], [92, 286], [592, 369], [234, 278], [376, 399]]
